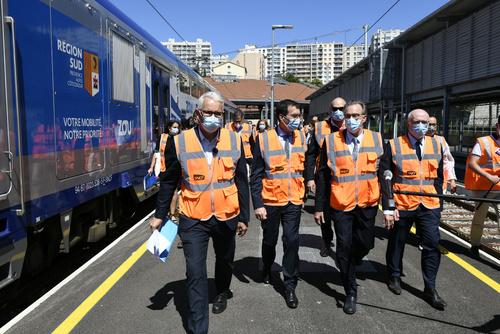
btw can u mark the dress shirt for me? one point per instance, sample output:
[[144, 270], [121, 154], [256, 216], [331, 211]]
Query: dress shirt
[[349, 138], [208, 145], [283, 137]]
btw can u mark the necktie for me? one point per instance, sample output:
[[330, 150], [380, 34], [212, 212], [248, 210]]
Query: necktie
[[287, 147], [355, 149], [418, 149]]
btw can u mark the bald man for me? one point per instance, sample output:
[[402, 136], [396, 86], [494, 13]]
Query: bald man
[[416, 161], [333, 123]]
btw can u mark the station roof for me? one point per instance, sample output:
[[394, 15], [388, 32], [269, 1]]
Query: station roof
[[438, 20], [259, 91]]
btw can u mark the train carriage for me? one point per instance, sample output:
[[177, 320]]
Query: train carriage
[[82, 87]]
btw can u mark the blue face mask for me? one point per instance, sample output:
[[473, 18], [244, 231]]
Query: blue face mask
[[352, 125], [211, 123], [238, 126], [337, 115], [293, 124], [420, 129], [262, 127]]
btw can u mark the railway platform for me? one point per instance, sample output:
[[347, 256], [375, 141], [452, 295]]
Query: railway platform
[[124, 289]]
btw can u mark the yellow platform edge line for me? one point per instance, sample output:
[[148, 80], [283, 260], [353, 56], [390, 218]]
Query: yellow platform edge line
[[465, 265], [79, 313]]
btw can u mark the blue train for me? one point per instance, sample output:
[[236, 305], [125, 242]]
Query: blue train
[[82, 88]]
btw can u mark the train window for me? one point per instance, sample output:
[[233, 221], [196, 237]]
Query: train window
[[184, 84], [142, 94], [194, 88], [123, 69]]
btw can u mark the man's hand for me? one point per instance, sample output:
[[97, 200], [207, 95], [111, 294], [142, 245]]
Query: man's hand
[[241, 229], [388, 221], [150, 170], [319, 218], [311, 186], [261, 213], [453, 186], [155, 223], [494, 179]]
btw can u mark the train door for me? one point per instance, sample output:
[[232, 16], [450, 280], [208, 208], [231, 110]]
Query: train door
[[6, 105], [161, 99]]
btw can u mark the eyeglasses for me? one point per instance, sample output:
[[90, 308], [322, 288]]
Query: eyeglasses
[[337, 109], [209, 113], [421, 122]]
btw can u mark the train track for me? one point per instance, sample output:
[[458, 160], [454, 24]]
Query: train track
[[457, 218]]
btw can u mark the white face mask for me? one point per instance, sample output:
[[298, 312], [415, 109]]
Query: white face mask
[[262, 127], [174, 131]]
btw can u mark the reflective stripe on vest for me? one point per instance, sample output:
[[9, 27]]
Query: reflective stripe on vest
[[245, 134], [354, 183], [489, 161], [163, 144], [283, 181], [321, 130], [414, 175], [208, 190]]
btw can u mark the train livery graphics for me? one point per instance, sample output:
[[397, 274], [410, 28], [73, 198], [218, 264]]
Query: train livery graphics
[[83, 89]]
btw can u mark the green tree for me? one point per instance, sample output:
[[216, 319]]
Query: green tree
[[290, 77], [316, 82]]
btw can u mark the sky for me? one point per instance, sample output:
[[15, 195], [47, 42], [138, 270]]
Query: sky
[[229, 25]]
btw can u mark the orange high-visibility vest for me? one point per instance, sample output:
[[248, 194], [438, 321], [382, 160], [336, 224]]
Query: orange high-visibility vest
[[283, 181], [321, 130], [414, 175], [163, 144], [489, 161], [208, 190], [245, 134], [354, 183]]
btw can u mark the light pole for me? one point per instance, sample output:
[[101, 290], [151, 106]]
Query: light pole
[[274, 27]]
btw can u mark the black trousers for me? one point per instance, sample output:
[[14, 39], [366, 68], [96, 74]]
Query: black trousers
[[427, 222], [326, 227], [195, 236], [355, 238], [289, 217]]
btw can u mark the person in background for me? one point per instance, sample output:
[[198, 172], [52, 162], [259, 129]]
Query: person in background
[[244, 129], [416, 161], [450, 178], [334, 123], [209, 162], [173, 128], [482, 177], [277, 187]]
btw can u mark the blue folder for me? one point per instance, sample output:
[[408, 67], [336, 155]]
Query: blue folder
[[150, 181], [161, 241]]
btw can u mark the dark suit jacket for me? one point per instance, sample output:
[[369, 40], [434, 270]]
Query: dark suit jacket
[[172, 176], [386, 163], [313, 150], [258, 172], [323, 182]]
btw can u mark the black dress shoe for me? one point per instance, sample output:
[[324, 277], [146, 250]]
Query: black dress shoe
[[474, 252], [220, 302], [432, 297], [325, 251], [394, 285], [266, 277], [291, 299], [350, 305]]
